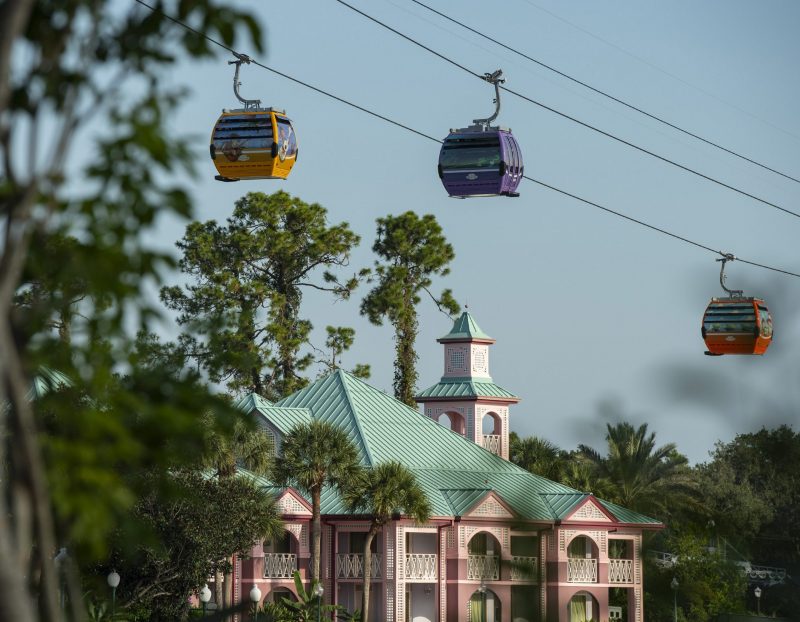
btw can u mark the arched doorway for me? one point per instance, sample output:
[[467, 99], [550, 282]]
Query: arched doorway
[[483, 557], [280, 556], [454, 421], [583, 607], [484, 606]]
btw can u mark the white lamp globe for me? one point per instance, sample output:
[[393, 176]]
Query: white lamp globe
[[255, 594], [205, 594], [113, 579]]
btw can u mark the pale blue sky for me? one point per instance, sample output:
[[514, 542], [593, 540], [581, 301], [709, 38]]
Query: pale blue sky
[[593, 316]]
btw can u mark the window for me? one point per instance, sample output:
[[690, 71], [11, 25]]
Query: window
[[252, 131], [286, 138], [470, 153], [730, 318]]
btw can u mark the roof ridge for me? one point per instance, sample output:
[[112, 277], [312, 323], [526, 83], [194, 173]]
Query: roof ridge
[[344, 377]]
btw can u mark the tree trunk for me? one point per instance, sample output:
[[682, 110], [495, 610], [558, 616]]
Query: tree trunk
[[218, 588], [373, 530], [405, 371], [316, 534]]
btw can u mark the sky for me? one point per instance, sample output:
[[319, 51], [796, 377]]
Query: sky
[[596, 319]]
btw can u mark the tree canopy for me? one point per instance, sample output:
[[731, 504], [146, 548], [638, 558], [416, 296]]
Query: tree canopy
[[246, 288], [412, 249]]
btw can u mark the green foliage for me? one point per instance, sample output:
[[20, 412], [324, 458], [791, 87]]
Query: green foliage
[[412, 249], [75, 272], [649, 479], [246, 290], [340, 339], [752, 485], [708, 584], [315, 455], [194, 534], [538, 456]]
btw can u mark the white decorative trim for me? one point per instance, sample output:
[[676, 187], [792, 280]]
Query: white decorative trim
[[491, 507], [589, 511], [289, 503]]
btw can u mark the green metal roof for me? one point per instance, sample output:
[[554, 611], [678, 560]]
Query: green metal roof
[[465, 387], [462, 499], [282, 418], [624, 515], [453, 471], [465, 328], [562, 504]]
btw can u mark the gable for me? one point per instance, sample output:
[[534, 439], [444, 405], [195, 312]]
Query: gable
[[492, 506], [290, 502], [590, 511]]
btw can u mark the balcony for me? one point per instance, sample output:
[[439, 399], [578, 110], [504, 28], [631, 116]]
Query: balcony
[[279, 565], [524, 568], [620, 571], [421, 566], [580, 570], [483, 567], [491, 442], [351, 566]]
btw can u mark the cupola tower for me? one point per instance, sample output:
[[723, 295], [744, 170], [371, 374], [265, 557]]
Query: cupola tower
[[466, 398]]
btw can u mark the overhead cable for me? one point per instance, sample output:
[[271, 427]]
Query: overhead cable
[[436, 140], [571, 118], [604, 93]]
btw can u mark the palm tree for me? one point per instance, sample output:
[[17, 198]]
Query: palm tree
[[382, 492], [315, 455], [538, 456], [644, 477], [252, 449]]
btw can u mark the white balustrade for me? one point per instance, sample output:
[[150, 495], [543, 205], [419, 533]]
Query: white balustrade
[[620, 571], [351, 566], [580, 570], [491, 442], [524, 568], [421, 566], [279, 565], [483, 567], [614, 613]]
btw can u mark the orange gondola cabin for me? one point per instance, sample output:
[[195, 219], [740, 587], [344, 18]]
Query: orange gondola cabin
[[737, 325]]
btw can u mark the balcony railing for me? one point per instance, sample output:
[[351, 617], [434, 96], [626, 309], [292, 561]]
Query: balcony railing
[[620, 571], [580, 570], [279, 565], [421, 566], [491, 442], [351, 566], [483, 567], [524, 568]]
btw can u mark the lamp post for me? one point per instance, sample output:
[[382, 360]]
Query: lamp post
[[674, 585], [113, 582], [205, 596], [482, 590], [757, 592], [255, 596], [319, 591]]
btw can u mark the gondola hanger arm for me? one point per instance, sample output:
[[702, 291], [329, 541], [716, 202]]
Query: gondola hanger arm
[[249, 104], [496, 78], [726, 257]]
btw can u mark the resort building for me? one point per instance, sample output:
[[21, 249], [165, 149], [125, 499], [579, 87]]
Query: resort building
[[502, 544]]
